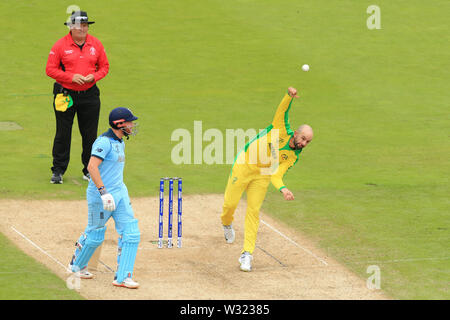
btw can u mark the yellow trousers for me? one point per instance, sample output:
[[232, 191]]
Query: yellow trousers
[[247, 178]]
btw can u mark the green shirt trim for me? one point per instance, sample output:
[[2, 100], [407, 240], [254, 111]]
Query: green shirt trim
[[259, 135], [286, 118]]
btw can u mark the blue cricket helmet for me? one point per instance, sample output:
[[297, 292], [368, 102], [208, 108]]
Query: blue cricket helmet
[[120, 115]]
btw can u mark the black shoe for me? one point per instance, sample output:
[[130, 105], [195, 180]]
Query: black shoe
[[57, 178], [86, 176]]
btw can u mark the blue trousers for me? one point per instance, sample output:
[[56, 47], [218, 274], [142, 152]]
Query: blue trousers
[[98, 217], [123, 217]]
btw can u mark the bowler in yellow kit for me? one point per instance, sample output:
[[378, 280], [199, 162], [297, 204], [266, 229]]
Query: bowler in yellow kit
[[264, 160]]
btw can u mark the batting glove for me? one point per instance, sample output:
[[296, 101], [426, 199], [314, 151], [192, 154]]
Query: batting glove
[[107, 199]]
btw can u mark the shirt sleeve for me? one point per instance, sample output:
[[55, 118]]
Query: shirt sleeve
[[281, 118], [102, 64], [101, 148], [277, 177], [53, 68]]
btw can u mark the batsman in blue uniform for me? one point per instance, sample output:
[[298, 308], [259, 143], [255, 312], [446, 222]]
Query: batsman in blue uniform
[[107, 196]]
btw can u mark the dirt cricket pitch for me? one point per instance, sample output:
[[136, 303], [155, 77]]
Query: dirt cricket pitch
[[286, 265]]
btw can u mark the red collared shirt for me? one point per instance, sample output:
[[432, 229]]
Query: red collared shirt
[[66, 59]]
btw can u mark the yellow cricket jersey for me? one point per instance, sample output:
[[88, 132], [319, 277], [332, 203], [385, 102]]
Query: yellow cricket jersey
[[269, 151]]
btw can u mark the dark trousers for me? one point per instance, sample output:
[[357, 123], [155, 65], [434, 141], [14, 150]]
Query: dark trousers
[[86, 105]]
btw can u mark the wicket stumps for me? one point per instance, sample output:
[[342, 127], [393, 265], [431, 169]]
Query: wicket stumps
[[170, 212]]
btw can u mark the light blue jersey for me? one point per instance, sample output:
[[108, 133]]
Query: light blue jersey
[[111, 150]]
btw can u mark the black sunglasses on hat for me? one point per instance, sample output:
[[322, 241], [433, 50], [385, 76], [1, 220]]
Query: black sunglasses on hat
[[79, 17]]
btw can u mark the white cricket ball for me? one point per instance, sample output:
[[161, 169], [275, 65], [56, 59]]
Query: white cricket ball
[[305, 67]]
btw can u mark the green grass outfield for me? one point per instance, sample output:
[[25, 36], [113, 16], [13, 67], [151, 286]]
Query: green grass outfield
[[22, 278], [371, 189]]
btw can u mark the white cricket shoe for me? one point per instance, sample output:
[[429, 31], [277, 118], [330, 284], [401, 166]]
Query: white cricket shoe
[[229, 234], [246, 261], [83, 273], [86, 176], [127, 283]]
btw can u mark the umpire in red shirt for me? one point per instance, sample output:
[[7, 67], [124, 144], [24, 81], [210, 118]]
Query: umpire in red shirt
[[76, 62]]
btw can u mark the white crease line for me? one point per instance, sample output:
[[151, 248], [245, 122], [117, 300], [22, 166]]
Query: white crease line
[[40, 249], [294, 243], [174, 247]]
